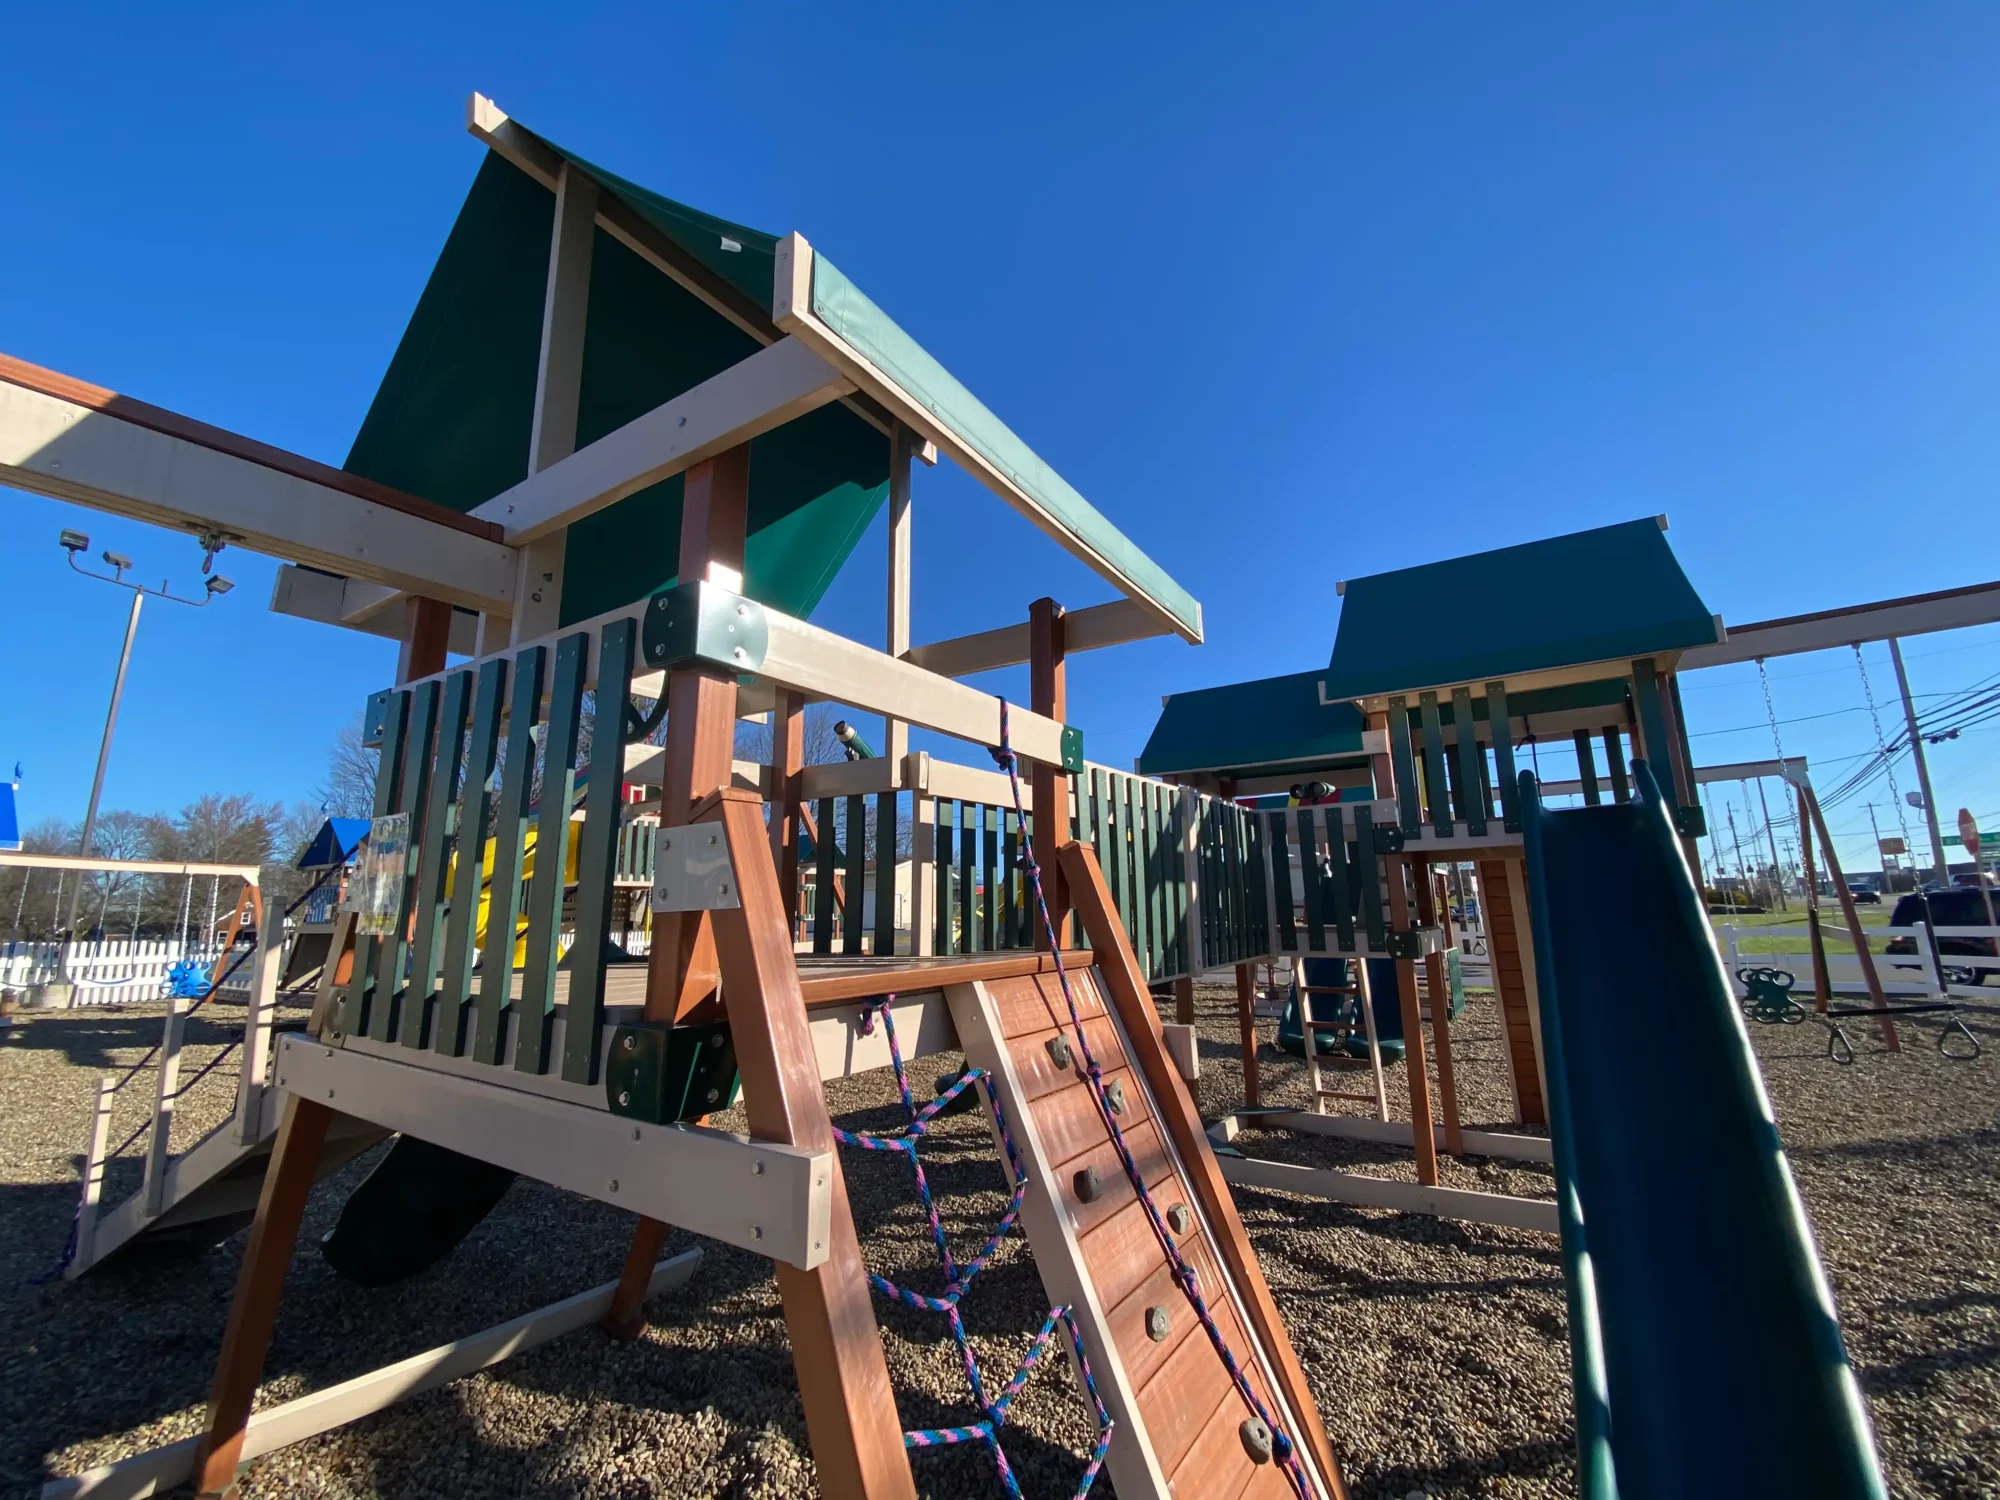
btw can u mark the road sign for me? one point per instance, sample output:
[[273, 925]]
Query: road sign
[[1891, 846], [1968, 832]]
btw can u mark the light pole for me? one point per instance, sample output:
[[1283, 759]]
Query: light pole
[[74, 542]]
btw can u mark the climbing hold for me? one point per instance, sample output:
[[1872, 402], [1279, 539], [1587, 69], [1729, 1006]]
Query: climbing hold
[[1158, 1324], [1088, 1187], [1256, 1440], [1114, 1095], [1059, 1051], [1179, 1220]]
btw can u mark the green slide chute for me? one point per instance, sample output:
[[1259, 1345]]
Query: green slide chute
[[1705, 1352]]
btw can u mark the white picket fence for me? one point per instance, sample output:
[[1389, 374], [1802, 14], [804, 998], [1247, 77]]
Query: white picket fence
[[113, 972], [1925, 973]]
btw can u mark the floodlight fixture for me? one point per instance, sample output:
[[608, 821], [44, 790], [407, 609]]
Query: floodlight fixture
[[218, 585], [116, 560], [74, 541]]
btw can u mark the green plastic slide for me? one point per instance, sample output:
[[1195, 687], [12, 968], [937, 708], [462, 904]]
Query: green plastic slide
[[1705, 1352]]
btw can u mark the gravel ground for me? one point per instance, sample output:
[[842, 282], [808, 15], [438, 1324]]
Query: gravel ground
[[1436, 1350]]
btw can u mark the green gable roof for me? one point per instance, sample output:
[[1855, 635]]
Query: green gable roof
[[1250, 726], [450, 421], [1608, 594]]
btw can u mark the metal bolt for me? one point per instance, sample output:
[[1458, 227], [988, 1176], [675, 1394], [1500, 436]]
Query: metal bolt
[[722, 888], [624, 1097], [661, 602], [711, 841], [713, 1095], [666, 843], [740, 654], [614, 1184], [329, 1093], [742, 609], [1179, 1220], [631, 1044], [756, 1169], [1159, 1323], [635, 1132], [756, 1231], [715, 1040]]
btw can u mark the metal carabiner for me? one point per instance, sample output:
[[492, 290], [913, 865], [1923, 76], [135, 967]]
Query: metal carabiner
[[1944, 1041], [1838, 1048]]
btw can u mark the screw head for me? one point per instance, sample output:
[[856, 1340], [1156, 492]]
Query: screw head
[[624, 1097], [631, 1044], [614, 1184], [756, 1231], [756, 1169], [714, 1095], [715, 1040]]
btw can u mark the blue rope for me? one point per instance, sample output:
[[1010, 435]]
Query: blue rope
[[958, 1277]]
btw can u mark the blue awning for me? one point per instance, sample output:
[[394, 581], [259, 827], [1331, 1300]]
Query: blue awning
[[335, 843]]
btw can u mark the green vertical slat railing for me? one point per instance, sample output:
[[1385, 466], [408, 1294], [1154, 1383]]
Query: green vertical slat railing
[[1309, 881], [434, 866], [510, 829], [597, 854], [361, 1000], [968, 876], [1403, 758], [1501, 720], [393, 952], [1010, 860], [941, 826], [1343, 879], [1368, 871], [452, 1028], [1254, 867], [1281, 886], [886, 860], [1586, 768], [1471, 765], [989, 859], [1614, 755], [535, 1012], [824, 850], [1437, 785], [854, 911]]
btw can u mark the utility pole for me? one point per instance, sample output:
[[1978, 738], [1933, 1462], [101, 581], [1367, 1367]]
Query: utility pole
[[1923, 766], [1770, 833], [1740, 870], [1881, 859], [104, 756]]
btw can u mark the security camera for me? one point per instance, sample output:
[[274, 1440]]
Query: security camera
[[75, 541]]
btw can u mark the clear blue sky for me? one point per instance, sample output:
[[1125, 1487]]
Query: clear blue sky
[[1292, 293]]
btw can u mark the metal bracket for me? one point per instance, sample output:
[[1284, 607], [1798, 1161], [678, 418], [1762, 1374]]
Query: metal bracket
[[1072, 749], [663, 1074], [1416, 942], [700, 623], [1388, 838], [692, 870], [375, 719], [1689, 822]]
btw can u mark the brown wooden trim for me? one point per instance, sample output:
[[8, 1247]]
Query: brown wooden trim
[[187, 429], [288, 1179], [1437, 980], [625, 1319], [841, 986], [1423, 1131], [1854, 611], [1876, 995], [1048, 684], [1111, 950], [788, 762], [850, 1406], [1822, 984], [1246, 1021]]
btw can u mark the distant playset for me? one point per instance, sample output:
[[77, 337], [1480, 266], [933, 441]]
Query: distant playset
[[618, 457]]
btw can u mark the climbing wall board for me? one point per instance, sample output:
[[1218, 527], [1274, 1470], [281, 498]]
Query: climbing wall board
[[1178, 1416]]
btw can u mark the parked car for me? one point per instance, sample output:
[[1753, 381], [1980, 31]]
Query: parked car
[[1961, 908]]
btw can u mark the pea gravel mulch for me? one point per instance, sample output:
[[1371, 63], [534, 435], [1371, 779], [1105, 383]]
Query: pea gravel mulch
[[1436, 1349]]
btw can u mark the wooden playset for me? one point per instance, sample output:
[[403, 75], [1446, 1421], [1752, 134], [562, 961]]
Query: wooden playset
[[798, 407]]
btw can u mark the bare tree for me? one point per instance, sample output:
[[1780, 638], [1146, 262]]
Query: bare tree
[[351, 769], [28, 897]]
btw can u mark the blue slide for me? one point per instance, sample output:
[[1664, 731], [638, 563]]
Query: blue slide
[[1705, 1352]]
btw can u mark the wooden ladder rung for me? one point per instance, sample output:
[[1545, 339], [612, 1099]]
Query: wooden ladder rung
[[1353, 1098], [1329, 989]]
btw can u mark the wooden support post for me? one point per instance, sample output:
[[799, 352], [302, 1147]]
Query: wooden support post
[[1125, 984], [1869, 976], [788, 760], [247, 1336], [1423, 1130], [159, 1146], [93, 1178], [1437, 979], [1246, 1021], [1049, 694], [426, 635], [923, 854], [857, 1438], [1822, 981], [1184, 1000], [258, 1018]]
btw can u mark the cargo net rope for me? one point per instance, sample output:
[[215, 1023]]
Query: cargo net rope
[[958, 1276], [1282, 1448]]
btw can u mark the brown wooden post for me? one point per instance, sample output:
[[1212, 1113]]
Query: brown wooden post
[[253, 1311], [1822, 981], [1876, 996], [1184, 1000], [1049, 694], [1437, 979], [426, 638], [1382, 765], [1423, 1128], [681, 973], [788, 760], [857, 1437], [1246, 1021]]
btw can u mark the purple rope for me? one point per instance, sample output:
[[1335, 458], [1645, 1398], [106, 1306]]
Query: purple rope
[[1282, 1447], [958, 1277]]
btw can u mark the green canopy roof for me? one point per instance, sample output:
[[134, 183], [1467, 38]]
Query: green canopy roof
[[1608, 594], [1251, 726], [451, 419]]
